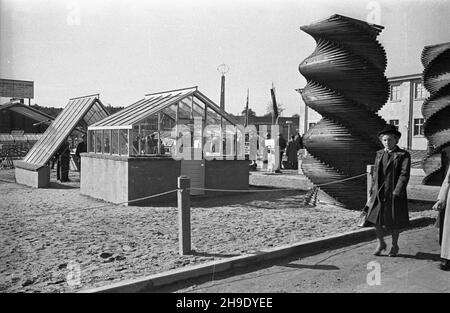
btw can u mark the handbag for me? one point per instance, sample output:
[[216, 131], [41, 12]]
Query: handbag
[[362, 218]]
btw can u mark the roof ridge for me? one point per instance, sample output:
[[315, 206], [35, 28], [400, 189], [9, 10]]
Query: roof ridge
[[161, 92], [87, 96]]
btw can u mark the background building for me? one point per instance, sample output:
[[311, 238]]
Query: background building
[[404, 109], [20, 127]]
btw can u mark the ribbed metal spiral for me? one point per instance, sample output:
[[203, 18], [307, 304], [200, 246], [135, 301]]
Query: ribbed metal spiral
[[436, 109], [347, 86]]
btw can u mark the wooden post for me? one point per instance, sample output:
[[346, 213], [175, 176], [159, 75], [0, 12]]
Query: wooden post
[[369, 171], [184, 215]]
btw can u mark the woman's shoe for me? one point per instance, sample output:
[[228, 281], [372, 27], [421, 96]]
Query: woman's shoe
[[445, 265], [380, 248], [394, 251]]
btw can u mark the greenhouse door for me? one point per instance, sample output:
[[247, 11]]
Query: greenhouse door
[[195, 170]]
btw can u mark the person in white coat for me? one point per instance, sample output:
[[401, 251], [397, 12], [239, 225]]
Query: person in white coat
[[443, 203]]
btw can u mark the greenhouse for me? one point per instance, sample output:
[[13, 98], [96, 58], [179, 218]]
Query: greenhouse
[[143, 149]]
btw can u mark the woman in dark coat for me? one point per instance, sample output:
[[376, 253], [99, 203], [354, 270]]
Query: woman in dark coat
[[388, 202]]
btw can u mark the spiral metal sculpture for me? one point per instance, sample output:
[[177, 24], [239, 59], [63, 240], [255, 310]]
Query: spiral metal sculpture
[[436, 109], [347, 86]]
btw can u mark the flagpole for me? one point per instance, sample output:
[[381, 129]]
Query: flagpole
[[274, 106], [246, 110]]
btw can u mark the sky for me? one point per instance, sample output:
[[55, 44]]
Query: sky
[[126, 49]]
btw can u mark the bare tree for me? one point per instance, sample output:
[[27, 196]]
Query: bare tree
[[269, 108]]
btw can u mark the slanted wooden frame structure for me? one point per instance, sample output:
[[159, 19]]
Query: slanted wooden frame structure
[[85, 110]]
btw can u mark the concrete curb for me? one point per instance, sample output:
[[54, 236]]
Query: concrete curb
[[197, 271]]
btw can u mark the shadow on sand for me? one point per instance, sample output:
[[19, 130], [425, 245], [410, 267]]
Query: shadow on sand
[[58, 185]]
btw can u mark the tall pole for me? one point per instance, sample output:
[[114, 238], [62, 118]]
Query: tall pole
[[274, 106], [246, 110], [289, 129], [222, 93], [223, 69]]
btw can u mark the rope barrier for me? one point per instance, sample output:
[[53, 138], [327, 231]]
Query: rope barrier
[[341, 180], [245, 191], [281, 189], [7, 181], [311, 194]]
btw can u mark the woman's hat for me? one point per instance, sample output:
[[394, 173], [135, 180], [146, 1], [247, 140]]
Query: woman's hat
[[390, 129]]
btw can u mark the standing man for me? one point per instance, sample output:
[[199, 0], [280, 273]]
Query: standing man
[[281, 146], [81, 148], [299, 141], [62, 167]]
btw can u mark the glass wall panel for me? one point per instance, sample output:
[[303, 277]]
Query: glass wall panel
[[167, 131], [123, 141], [212, 135], [91, 147], [98, 141], [115, 141], [185, 110], [199, 108], [190, 127], [136, 141], [185, 129], [145, 136], [229, 131], [191, 122], [107, 141]]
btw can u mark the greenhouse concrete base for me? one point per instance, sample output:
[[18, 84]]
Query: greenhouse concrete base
[[121, 179], [30, 175]]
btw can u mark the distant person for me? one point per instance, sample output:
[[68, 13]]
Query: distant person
[[150, 144], [53, 160], [136, 145], [387, 207], [282, 146], [442, 205], [81, 148], [162, 149], [299, 141], [62, 167], [291, 153], [445, 164], [265, 155]]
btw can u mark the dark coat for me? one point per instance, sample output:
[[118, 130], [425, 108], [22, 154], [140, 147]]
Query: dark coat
[[388, 205], [291, 151], [81, 148]]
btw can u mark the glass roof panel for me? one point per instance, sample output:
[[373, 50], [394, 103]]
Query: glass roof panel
[[154, 103]]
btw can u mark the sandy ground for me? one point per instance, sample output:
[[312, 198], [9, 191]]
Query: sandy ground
[[48, 236]]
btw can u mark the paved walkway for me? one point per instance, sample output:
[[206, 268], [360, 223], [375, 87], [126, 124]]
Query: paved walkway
[[349, 269]]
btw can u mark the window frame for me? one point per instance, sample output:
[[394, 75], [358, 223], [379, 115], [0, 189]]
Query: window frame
[[423, 90], [398, 94], [418, 124], [394, 120]]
